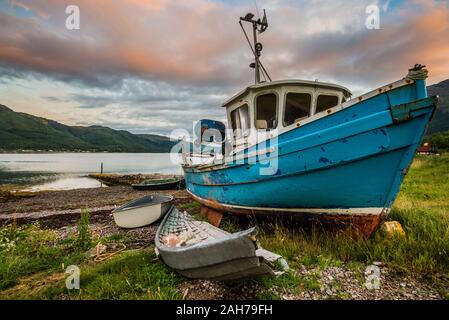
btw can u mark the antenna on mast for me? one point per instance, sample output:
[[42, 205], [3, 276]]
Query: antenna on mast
[[259, 26]]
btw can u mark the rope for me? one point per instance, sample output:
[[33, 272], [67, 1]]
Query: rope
[[247, 38], [105, 256], [417, 74]]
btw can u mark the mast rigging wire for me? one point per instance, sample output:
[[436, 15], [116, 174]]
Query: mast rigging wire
[[264, 71]]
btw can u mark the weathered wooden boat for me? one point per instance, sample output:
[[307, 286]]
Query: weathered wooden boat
[[305, 148], [198, 250], [143, 211], [160, 184]]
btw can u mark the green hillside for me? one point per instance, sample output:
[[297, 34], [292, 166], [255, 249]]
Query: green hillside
[[21, 131], [440, 121]]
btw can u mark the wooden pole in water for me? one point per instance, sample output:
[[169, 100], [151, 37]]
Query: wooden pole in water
[[101, 168]]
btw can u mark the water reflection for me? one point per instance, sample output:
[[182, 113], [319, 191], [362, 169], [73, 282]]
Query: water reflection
[[58, 171], [67, 183]]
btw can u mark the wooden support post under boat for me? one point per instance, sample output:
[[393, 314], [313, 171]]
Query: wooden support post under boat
[[357, 226], [213, 217]]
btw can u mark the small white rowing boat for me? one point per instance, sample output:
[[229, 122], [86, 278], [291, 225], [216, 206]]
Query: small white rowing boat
[[142, 212]]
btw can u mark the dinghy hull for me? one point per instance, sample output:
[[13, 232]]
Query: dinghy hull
[[214, 254], [160, 184], [142, 212]]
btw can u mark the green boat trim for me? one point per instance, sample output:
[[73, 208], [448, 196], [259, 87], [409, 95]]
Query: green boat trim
[[160, 184]]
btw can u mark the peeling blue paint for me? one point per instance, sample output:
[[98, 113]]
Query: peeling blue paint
[[362, 168], [324, 160]]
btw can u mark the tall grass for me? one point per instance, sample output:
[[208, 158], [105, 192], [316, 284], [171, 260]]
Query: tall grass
[[423, 210], [28, 249], [132, 275], [84, 240]]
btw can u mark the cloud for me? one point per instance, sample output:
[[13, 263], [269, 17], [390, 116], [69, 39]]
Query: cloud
[[164, 41], [157, 65]]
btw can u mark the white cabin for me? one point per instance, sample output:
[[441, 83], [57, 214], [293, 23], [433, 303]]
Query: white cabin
[[279, 106]]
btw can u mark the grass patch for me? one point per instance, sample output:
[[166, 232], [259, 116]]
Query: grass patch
[[132, 275], [424, 250], [189, 206], [33, 262], [230, 224], [422, 208], [84, 239], [119, 237], [288, 282], [28, 249]]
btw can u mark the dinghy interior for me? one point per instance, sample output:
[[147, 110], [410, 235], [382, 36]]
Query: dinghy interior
[[198, 250]]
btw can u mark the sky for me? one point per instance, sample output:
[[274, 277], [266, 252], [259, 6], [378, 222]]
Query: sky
[[157, 65]]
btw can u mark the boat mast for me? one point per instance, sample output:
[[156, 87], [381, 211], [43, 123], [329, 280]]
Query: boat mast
[[259, 26]]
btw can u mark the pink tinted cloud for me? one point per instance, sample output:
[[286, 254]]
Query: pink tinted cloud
[[199, 41], [144, 38]]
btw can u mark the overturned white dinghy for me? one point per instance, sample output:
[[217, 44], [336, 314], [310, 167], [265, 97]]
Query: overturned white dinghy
[[198, 250], [143, 211]]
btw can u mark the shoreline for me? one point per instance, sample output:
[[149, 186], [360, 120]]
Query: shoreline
[[63, 207]]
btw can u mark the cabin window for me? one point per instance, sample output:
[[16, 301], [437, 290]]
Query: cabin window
[[240, 121], [325, 102], [297, 107], [266, 111]]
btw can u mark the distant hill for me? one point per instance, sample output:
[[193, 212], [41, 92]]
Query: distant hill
[[440, 121], [21, 131]]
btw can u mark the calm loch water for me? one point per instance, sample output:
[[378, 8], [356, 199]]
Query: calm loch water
[[62, 171]]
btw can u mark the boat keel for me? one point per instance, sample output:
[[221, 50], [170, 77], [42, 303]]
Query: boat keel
[[355, 224]]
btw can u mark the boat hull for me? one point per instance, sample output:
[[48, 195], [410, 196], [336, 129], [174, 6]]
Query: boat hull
[[346, 167], [216, 254], [177, 184], [142, 212], [357, 221]]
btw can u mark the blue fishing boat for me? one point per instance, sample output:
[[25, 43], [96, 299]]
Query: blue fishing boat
[[307, 149]]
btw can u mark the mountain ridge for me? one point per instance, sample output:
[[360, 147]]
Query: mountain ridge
[[440, 121], [24, 132]]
